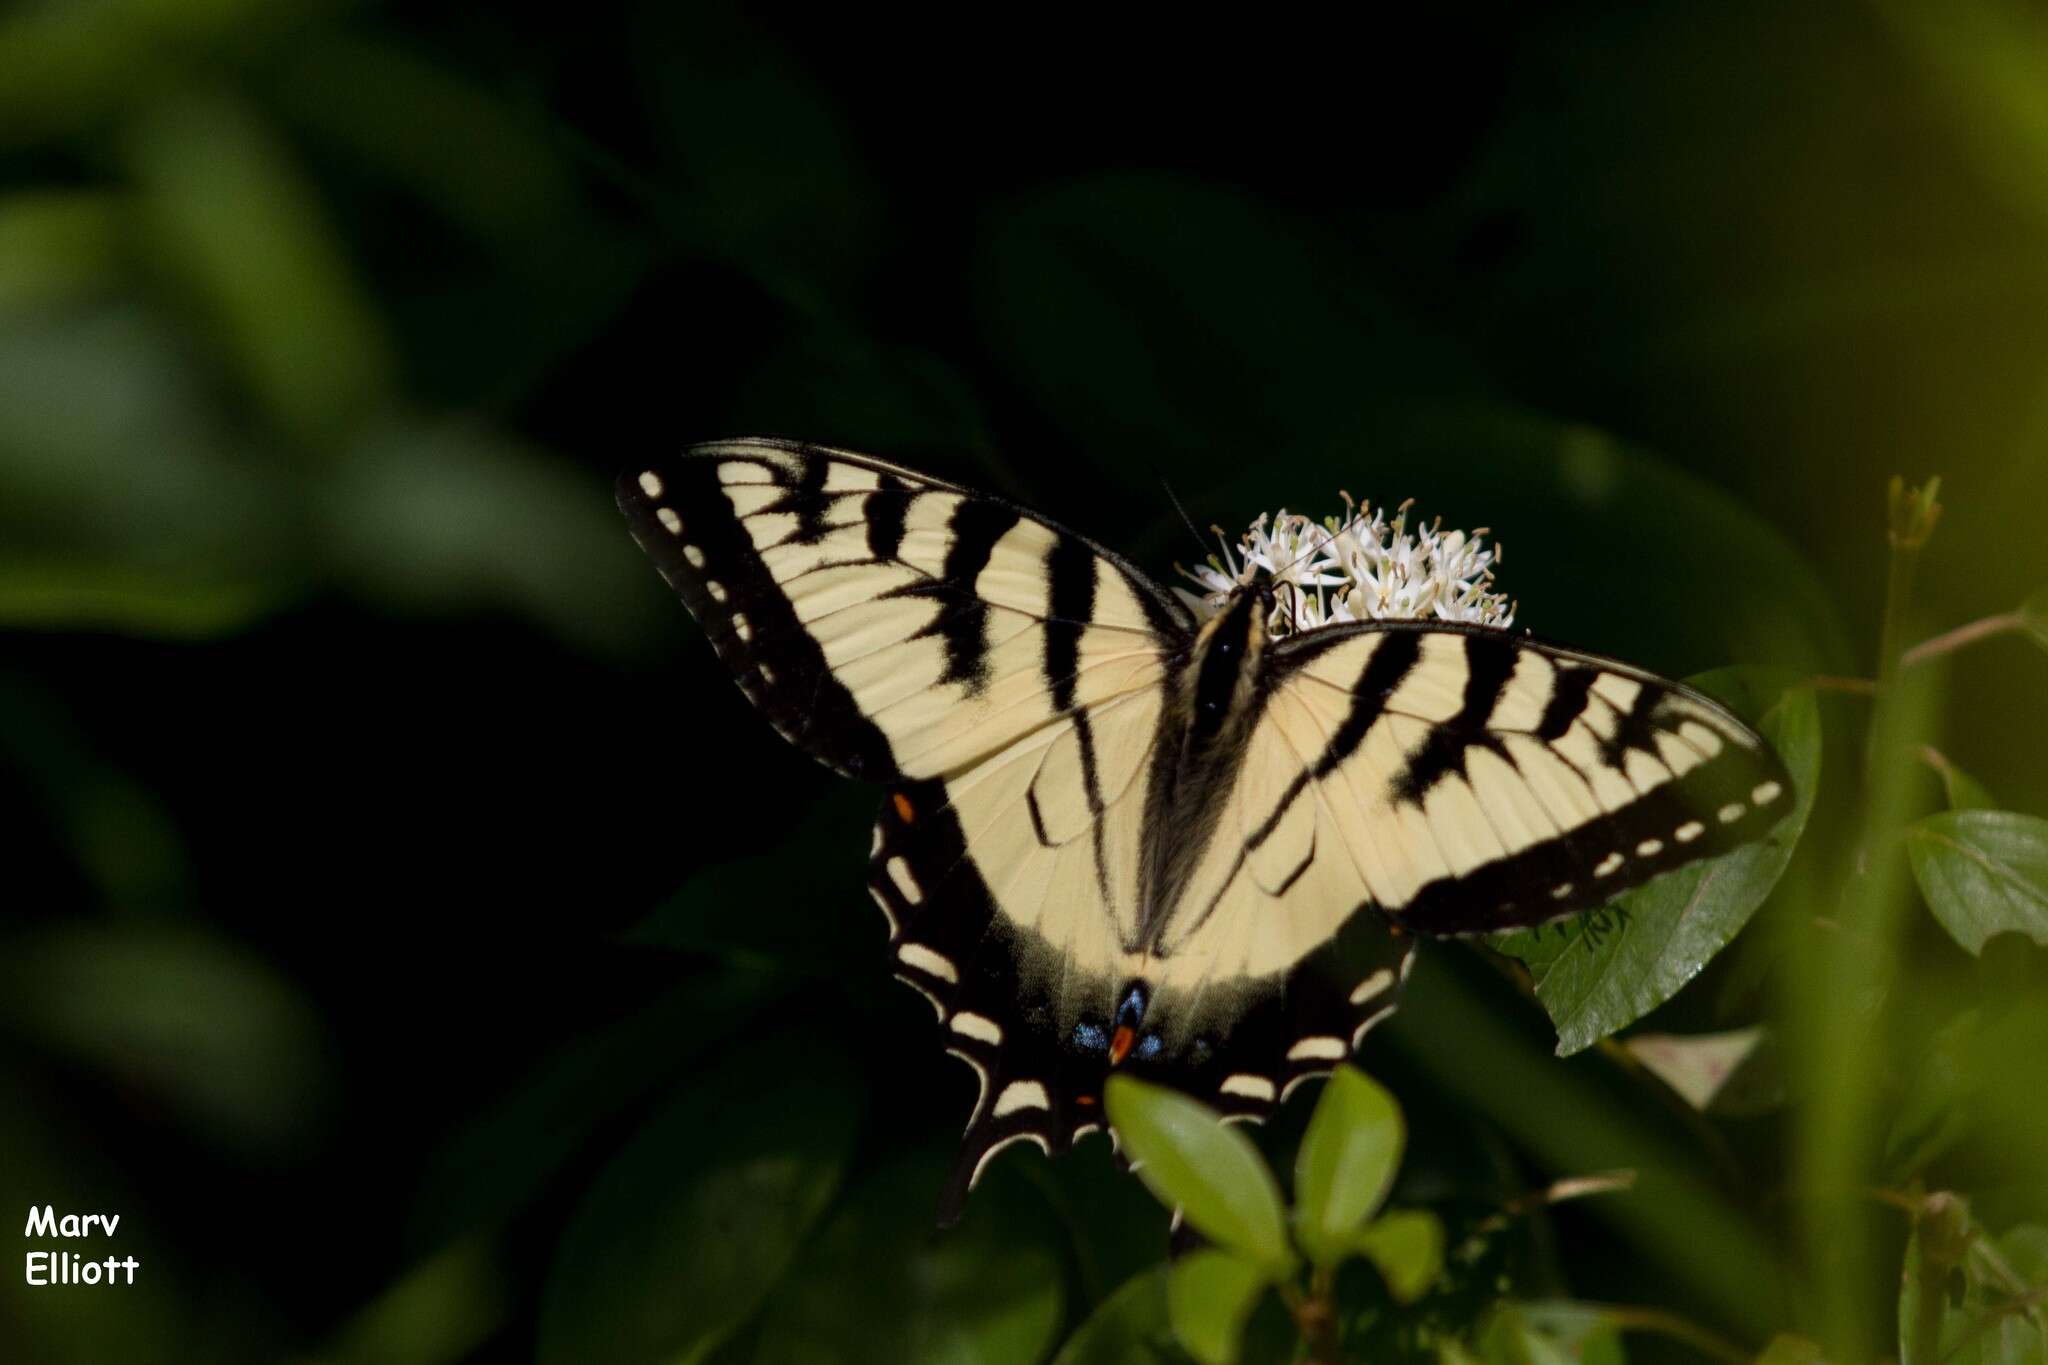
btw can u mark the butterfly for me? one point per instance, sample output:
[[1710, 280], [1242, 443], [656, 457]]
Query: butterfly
[[1116, 836]]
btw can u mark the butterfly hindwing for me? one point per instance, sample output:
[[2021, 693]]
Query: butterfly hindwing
[[1033, 1019]]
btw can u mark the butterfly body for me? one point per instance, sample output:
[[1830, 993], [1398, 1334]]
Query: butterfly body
[[1116, 836]]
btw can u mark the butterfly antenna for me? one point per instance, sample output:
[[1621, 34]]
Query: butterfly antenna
[[1185, 519]]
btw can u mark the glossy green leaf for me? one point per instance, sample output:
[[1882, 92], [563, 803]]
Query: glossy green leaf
[[1983, 872], [1210, 1295], [688, 1229], [1130, 1327], [1346, 1163], [1407, 1245], [878, 1285], [1209, 1170], [1600, 972]]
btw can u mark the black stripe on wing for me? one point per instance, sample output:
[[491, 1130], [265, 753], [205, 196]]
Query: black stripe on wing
[[679, 511], [1732, 797], [683, 521]]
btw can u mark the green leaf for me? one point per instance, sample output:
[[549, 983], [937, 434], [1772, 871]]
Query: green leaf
[[1788, 1348], [1963, 791], [439, 1312], [1551, 1333], [200, 1026], [2022, 1336], [1193, 1161], [825, 920], [57, 243], [229, 213], [2034, 617], [1408, 1247], [427, 516], [1983, 872], [496, 1163], [1967, 1298], [1937, 1107], [878, 1286], [1210, 1295], [131, 599], [1603, 971], [1346, 1163], [1130, 1327], [690, 1226]]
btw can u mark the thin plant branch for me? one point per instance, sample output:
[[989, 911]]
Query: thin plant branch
[[1970, 633], [1664, 1324]]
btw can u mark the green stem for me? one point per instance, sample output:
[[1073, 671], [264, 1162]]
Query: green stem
[[1913, 517], [1836, 1149], [1315, 1316]]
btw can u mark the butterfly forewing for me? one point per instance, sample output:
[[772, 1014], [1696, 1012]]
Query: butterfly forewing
[[892, 625], [1497, 782]]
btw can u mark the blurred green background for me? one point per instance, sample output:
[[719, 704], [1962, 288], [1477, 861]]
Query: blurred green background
[[410, 931]]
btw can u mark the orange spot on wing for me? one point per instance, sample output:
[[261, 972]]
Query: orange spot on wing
[[904, 810], [1120, 1044], [1084, 1099]]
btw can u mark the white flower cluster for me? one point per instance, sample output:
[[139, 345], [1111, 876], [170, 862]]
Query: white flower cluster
[[1364, 568]]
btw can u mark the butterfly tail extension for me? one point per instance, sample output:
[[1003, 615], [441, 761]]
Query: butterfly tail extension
[[1315, 1022], [947, 944]]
